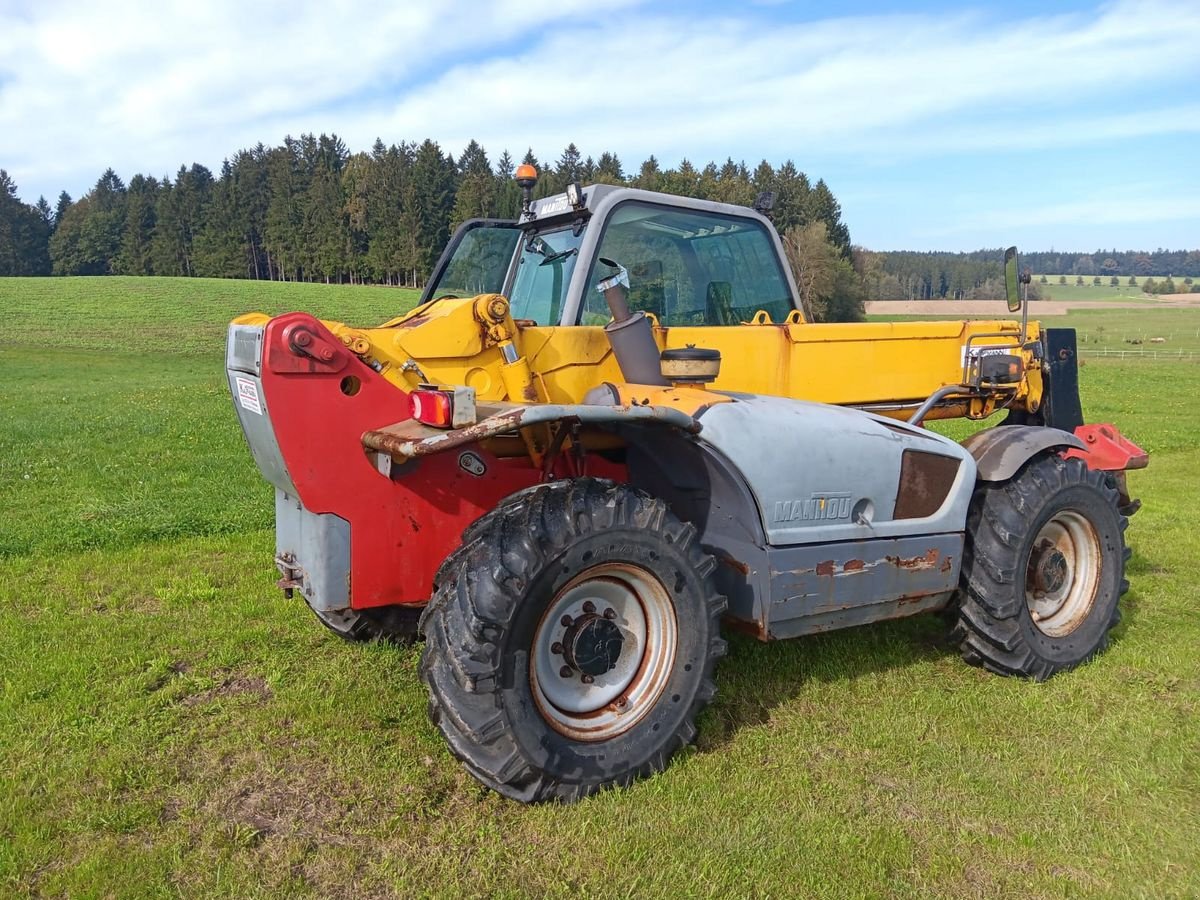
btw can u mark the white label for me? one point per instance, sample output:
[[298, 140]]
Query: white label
[[552, 206], [247, 394], [978, 351]]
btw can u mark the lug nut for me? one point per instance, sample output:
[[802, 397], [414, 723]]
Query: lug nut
[[587, 679], [610, 613], [556, 647], [565, 672], [567, 621], [589, 607]]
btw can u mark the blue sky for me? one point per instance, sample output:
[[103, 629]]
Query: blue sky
[[938, 125]]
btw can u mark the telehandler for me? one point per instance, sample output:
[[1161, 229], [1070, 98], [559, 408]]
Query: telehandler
[[608, 428]]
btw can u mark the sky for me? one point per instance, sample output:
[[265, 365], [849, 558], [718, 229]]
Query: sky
[[938, 125]]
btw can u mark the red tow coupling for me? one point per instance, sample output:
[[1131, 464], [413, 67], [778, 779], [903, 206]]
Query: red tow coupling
[[1110, 451]]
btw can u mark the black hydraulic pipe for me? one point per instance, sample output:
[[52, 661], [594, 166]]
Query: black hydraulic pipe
[[934, 399]]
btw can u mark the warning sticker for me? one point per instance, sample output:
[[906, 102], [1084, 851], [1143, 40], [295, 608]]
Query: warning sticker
[[979, 351], [247, 394]]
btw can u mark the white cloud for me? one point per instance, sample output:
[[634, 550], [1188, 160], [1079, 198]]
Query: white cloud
[[860, 85], [146, 86]]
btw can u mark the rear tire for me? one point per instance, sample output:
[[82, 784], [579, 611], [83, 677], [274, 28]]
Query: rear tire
[[1043, 570], [562, 583]]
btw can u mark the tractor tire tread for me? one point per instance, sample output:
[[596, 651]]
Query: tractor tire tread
[[990, 603], [477, 598]]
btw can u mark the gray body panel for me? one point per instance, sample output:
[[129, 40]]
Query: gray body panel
[[820, 587], [784, 579], [821, 474], [243, 367], [315, 550], [312, 550]]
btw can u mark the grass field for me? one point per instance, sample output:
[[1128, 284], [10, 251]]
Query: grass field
[[1088, 291], [169, 725]]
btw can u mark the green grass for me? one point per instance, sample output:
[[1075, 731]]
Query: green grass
[[1088, 291], [170, 725], [182, 315]]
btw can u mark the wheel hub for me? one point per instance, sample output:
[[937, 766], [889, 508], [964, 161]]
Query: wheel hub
[[603, 651], [1050, 570], [592, 645], [1063, 574]]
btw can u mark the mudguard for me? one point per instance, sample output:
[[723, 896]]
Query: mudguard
[[1001, 451]]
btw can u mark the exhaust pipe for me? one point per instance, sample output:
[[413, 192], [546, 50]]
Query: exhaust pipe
[[630, 334]]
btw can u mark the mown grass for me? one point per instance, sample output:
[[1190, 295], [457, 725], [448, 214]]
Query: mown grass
[[170, 316], [170, 725], [1088, 291]]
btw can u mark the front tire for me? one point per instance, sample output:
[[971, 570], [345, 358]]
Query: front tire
[[571, 641], [1043, 570]]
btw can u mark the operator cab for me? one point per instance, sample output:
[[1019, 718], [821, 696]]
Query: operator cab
[[691, 262]]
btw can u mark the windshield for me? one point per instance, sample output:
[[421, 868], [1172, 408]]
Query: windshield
[[480, 256], [543, 274], [690, 267]]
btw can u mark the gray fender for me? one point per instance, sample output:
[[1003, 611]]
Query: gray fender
[[1000, 451]]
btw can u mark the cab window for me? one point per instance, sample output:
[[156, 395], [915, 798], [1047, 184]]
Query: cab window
[[689, 267], [481, 255], [543, 273]]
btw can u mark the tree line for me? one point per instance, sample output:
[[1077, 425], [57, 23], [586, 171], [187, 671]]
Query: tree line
[[905, 275], [909, 275], [309, 210]]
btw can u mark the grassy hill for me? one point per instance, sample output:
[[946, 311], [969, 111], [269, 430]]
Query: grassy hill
[[172, 315], [169, 724]]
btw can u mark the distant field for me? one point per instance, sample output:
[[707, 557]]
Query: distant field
[[170, 726], [179, 315], [1089, 291]]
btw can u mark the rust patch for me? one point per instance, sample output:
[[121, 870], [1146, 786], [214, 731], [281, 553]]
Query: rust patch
[[753, 629], [946, 564], [529, 392], [925, 482], [853, 565], [828, 567], [413, 322], [928, 561], [736, 565]]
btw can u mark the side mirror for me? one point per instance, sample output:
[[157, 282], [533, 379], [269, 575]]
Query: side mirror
[[1012, 291]]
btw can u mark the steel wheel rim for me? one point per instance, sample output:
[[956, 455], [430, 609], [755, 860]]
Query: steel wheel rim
[[1063, 574], [616, 700]]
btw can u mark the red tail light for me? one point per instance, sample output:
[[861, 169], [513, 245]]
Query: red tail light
[[433, 407]]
